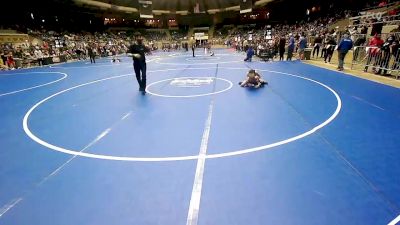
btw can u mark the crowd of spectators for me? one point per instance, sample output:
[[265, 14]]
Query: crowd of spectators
[[289, 39], [177, 35], [48, 44], [261, 41], [44, 44], [322, 38], [313, 29], [155, 36]]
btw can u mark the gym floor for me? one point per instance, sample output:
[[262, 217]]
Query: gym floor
[[81, 145]]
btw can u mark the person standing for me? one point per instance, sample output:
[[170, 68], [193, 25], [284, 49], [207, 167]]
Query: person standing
[[92, 54], [138, 51], [39, 56], [78, 53], [3, 58], [290, 48], [396, 54], [374, 48], [10, 61], [302, 45], [193, 48], [385, 57], [325, 40], [317, 45], [2, 65], [330, 45], [344, 46], [282, 44]]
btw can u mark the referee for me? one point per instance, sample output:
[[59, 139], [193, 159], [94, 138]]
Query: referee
[[193, 48], [138, 51]]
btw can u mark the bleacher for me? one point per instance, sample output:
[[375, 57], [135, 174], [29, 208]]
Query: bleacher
[[155, 34], [178, 34]]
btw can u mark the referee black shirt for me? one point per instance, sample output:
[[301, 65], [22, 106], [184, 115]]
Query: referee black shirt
[[138, 49]]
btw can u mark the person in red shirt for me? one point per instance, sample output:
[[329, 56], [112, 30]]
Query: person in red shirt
[[10, 61], [373, 50]]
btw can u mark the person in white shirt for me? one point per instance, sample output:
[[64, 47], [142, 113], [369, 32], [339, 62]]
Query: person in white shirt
[[39, 56]]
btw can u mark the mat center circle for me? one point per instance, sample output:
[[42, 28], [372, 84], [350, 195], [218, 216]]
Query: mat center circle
[[203, 58], [186, 87]]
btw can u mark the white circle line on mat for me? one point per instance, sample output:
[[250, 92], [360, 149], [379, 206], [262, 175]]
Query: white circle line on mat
[[185, 54], [188, 64], [34, 87], [92, 66], [178, 158], [199, 58], [188, 96]]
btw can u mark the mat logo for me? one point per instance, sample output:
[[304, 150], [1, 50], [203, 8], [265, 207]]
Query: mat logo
[[191, 82]]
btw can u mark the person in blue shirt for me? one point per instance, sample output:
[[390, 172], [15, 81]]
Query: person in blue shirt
[[302, 45], [290, 48], [249, 54], [344, 46]]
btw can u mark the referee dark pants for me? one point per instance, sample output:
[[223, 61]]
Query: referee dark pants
[[140, 71], [92, 58]]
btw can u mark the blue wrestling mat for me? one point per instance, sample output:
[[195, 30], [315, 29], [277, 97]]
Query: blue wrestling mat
[[81, 145]]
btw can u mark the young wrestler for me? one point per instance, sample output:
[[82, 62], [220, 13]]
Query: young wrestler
[[253, 79]]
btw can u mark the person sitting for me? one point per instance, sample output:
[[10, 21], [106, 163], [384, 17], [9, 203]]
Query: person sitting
[[253, 79]]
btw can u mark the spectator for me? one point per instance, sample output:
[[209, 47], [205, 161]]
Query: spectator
[[302, 46], [39, 56], [385, 55], [329, 48], [317, 45], [18, 53], [353, 33], [3, 58], [377, 27], [344, 46], [395, 50], [364, 30], [92, 54], [373, 51], [10, 61], [290, 48], [2, 65], [282, 44]]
